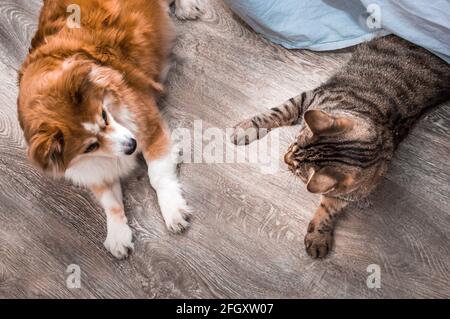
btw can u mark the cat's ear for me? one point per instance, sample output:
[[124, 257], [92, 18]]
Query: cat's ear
[[323, 181], [323, 124]]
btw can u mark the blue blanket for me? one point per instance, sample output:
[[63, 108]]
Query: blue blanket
[[328, 24]]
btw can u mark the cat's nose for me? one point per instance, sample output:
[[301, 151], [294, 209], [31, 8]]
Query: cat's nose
[[289, 158]]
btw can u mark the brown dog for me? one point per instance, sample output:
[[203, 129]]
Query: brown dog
[[87, 102]]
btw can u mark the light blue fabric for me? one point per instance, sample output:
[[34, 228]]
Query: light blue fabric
[[423, 22], [327, 24]]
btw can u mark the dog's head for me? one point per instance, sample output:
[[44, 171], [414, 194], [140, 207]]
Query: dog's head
[[65, 110]]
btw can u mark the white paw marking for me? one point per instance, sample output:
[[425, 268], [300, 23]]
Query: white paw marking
[[119, 240], [189, 9], [176, 214]]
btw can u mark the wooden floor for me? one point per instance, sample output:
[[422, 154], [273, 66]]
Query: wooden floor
[[247, 233]]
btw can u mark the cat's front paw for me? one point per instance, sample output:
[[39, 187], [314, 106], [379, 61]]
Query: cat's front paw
[[318, 244], [246, 132]]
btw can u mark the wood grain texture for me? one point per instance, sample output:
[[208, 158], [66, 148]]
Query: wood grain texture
[[247, 233]]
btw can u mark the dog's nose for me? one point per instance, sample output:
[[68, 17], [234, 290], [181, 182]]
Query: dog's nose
[[130, 146]]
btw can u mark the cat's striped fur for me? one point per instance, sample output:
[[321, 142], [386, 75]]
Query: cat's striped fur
[[352, 125]]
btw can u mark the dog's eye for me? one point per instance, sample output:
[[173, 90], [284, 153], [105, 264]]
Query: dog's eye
[[105, 117], [92, 147]]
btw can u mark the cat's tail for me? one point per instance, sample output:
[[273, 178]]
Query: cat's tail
[[286, 114]]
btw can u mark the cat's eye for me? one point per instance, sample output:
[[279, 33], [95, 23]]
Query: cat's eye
[[91, 148], [105, 117]]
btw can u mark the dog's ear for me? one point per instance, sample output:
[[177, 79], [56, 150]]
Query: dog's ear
[[79, 84], [46, 149], [78, 93]]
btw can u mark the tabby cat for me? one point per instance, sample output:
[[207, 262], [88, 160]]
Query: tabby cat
[[352, 125]]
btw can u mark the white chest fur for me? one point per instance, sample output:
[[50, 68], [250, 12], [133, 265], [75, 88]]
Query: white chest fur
[[96, 170]]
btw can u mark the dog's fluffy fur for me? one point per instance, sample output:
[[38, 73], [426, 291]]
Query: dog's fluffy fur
[[88, 94]]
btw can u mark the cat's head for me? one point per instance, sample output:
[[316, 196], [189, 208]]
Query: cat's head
[[337, 154]]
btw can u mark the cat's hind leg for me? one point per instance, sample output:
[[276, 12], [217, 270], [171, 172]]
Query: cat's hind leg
[[259, 125]]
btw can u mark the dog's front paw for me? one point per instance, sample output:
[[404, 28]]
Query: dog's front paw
[[176, 215], [189, 9], [318, 244], [119, 240], [178, 221]]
